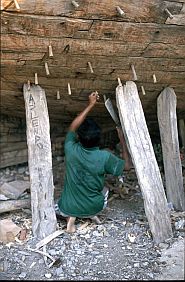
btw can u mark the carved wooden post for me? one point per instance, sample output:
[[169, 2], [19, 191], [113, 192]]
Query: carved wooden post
[[166, 109], [140, 146], [39, 162]]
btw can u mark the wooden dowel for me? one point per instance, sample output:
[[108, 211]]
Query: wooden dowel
[[168, 13], [58, 95], [119, 82], [143, 90], [90, 66], [75, 4], [29, 86], [134, 72], [69, 88], [47, 68], [36, 79], [120, 11], [50, 51], [154, 78], [16, 4]]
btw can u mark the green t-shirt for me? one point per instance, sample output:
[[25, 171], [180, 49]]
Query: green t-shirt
[[84, 179]]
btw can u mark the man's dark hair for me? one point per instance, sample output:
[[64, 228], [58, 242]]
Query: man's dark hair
[[89, 133]]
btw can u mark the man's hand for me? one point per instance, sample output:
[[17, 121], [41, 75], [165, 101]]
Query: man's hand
[[93, 98]]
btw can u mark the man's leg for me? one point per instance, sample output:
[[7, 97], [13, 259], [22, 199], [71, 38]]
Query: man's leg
[[70, 220], [71, 224], [105, 193]]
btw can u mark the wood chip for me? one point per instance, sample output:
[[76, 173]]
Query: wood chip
[[49, 238]]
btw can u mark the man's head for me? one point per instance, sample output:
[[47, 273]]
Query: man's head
[[89, 133]]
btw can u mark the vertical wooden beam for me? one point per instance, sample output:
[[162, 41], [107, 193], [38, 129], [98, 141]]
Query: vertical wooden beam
[[143, 157], [166, 110], [39, 162]]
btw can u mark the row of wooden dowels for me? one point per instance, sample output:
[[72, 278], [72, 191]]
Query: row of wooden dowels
[[76, 5], [50, 51]]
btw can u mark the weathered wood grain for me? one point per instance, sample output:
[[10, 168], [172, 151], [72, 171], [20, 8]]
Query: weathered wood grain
[[12, 205], [77, 64], [53, 28], [145, 37], [138, 139], [166, 109], [14, 157], [96, 84], [134, 10], [24, 44], [162, 50], [39, 162], [14, 146]]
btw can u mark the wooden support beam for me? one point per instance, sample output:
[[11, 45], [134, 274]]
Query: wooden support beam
[[166, 110], [39, 162], [143, 157]]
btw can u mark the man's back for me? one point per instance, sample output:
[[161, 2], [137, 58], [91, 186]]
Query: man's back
[[84, 181]]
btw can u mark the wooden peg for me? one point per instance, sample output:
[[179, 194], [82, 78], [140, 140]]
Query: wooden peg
[[120, 11], [58, 95], [69, 88], [134, 72], [104, 97], [2, 7], [154, 78], [119, 82], [47, 68], [90, 66], [36, 79], [16, 4], [75, 4], [50, 51], [168, 13], [143, 90], [29, 86]]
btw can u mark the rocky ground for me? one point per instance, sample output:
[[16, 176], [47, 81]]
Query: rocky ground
[[121, 248]]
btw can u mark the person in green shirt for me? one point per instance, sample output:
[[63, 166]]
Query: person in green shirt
[[84, 195]]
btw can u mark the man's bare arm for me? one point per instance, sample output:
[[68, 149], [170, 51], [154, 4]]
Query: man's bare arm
[[93, 98]]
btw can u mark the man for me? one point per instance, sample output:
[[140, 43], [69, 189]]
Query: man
[[86, 166]]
